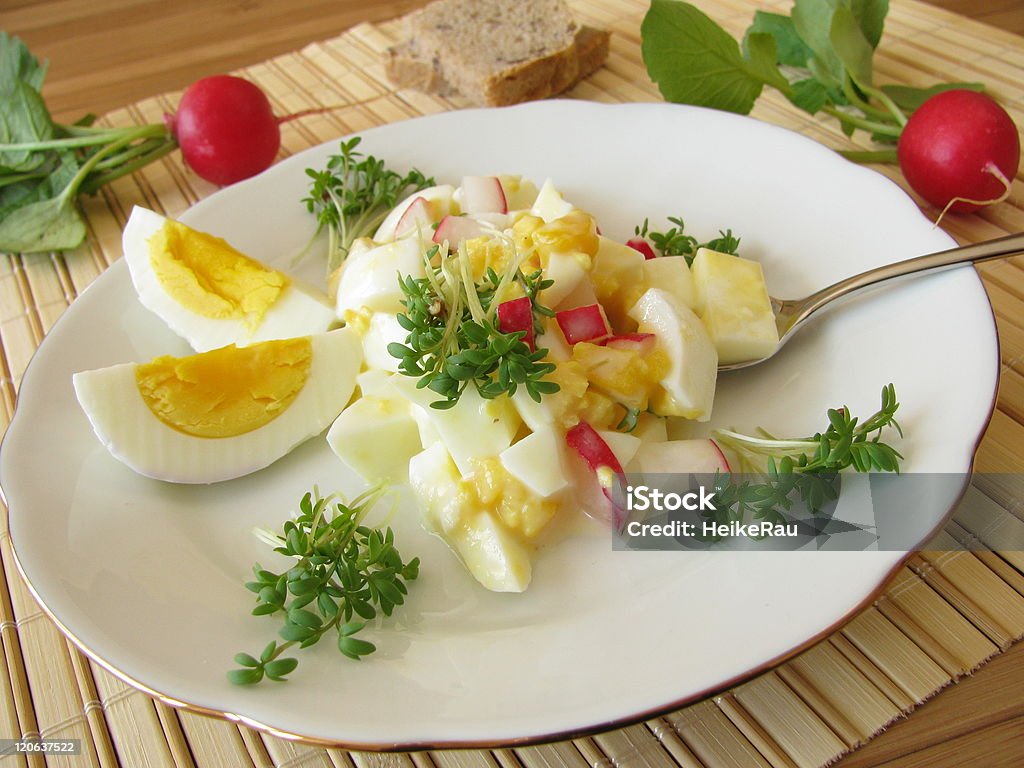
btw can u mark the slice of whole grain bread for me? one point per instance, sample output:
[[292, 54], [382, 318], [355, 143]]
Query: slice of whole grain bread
[[495, 52]]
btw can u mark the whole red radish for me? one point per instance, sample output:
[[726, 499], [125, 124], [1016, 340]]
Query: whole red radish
[[226, 129], [960, 149]]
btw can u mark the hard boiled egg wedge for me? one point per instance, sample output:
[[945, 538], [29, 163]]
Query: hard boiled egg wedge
[[210, 294], [220, 414], [688, 387]]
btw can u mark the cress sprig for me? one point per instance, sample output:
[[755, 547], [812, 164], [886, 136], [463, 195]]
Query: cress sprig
[[804, 469], [343, 570], [675, 242], [454, 339], [353, 195]]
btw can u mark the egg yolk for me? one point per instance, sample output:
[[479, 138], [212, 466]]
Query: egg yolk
[[491, 488], [227, 391], [574, 232], [488, 253], [631, 378], [206, 275]]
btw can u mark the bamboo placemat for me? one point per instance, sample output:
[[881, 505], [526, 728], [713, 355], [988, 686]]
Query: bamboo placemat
[[943, 614]]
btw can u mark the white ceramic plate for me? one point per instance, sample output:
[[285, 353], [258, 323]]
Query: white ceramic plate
[[147, 577]]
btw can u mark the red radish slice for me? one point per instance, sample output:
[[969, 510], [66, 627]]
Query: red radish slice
[[639, 244], [698, 456], [592, 448], [455, 229], [641, 343], [416, 216], [583, 323], [483, 194], [515, 316]]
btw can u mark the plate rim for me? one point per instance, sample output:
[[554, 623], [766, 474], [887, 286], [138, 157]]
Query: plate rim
[[534, 739]]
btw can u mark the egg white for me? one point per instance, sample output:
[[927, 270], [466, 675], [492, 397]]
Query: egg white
[[135, 436], [299, 311]]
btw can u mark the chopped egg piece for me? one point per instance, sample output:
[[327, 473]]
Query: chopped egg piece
[[688, 387], [475, 428], [735, 306], [537, 461], [376, 436], [370, 278], [494, 555], [549, 203], [670, 273]]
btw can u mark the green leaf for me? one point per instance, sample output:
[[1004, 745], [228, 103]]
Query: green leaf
[[268, 652], [909, 98], [278, 668], [46, 225], [694, 61], [870, 15], [354, 648], [245, 660], [349, 629], [813, 22], [761, 60], [852, 48], [387, 589], [296, 633], [790, 50], [304, 618], [18, 64], [245, 676], [23, 119]]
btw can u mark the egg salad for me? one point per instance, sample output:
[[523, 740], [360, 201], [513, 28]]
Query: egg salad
[[624, 343], [499, 355]]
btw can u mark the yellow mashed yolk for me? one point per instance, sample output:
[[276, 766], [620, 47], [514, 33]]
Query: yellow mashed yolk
[[629, 377], [206, 275], [490, 488], [488, 253], [574, 232], [227, 391]]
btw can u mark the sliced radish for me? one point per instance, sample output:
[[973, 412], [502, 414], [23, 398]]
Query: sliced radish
[[515, 316], [698, 456], [592, 448], [455, 229], [586, 441], [416, 217], [483, 194], [641, 343], [584, 323], [639, 244]]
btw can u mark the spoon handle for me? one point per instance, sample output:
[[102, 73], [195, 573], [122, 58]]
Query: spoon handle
[[1010, 245]]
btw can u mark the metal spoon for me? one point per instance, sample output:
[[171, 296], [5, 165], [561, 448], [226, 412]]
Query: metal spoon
[[791, 314]]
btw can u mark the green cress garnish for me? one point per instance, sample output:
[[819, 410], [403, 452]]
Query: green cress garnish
[[454, 340], [352, 196], [343, 570], [804, 468]]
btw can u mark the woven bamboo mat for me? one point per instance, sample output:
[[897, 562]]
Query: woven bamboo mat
[[942, 615]]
